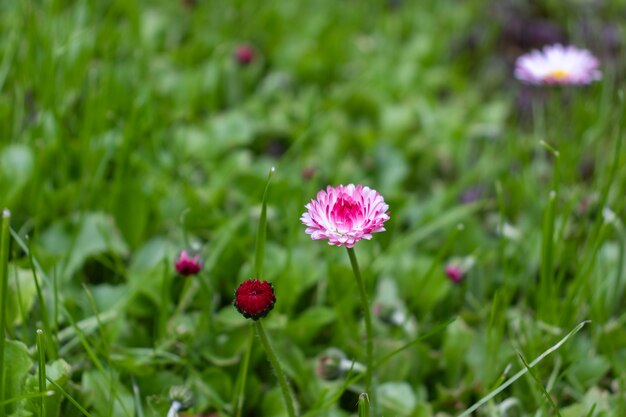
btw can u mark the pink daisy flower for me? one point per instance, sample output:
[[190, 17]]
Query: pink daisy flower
[[345, 214], [558, 64]]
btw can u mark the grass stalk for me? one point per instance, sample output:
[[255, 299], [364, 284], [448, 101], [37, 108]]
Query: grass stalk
[[521, 373], [42, 369], [259, 250], [537, 381], [369, 331], [51, 347], [70, 398], [37, 271], [164, 311], [364, 405], [546, 287], [4, 277], [240, 384], [280, 375], [29, 396], [617, 287], [137, 398]]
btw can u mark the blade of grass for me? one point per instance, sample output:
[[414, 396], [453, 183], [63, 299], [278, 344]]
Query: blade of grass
[[4, 278], [42, 369], [540, 384], [36, 268], [28, 396], [51, 347], [557, 157], [348, 380], [164, 307], [596, 235], [259, 250], [546, 290], [502, 241], [364, 405], [617, 288], [20, 304], [521, 373], [70, 398], [441, 254], [105, 348], [421, 232], [137, 397], [240, 384], [593, 408], [436, 330], [96, 361]]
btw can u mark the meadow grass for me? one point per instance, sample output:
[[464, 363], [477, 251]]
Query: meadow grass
[[129, 131]]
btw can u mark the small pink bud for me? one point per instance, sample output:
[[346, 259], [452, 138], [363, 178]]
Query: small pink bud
[[308, 173], [188, 3], [187, 266], [244, 54], [455, 273]]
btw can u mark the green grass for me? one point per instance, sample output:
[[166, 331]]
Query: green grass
[[129, 132]]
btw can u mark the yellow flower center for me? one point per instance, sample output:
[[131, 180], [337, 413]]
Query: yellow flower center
[[557, 75]]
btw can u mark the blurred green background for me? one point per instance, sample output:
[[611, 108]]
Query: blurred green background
[[130, 130]]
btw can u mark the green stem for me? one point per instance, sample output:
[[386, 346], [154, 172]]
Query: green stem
[[369, 342], [42, 370], [4, 278], [240, 385], [271, 355]]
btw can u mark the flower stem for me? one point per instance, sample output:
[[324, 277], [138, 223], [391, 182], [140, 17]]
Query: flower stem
[[369, 342], [282, 381], [4, 279], [240, 385]]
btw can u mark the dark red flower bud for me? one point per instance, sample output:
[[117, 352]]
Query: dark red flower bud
[[254, 298], [187, 266], [244, 54]]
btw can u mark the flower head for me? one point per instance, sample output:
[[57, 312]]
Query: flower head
[[254, 298], [244, 54], [181, 396], [455, 273], [345, 214], [187, 266], [457, 268], [557, 64]]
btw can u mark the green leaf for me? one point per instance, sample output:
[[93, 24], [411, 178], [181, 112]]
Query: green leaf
[[132, 211], [58, 372], [457, 342], [22, 292], [16, 169], [98, 394], [309, 323], [396, 398], [83, 237], [17, 363]]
